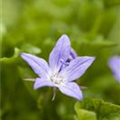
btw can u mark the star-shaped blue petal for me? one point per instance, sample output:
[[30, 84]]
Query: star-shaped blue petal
[[64, 67]]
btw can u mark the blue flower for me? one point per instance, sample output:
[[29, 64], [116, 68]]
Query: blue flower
[[114, 63], [63, 68]]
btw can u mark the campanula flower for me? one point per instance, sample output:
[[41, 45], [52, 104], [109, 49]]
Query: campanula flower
[[63, 68], [114, 63]]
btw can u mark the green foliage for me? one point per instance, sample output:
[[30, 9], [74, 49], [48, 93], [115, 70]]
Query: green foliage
[[33, 26], [96, 109]]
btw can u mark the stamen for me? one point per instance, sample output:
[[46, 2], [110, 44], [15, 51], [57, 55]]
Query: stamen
[[54, 93], [83, 87], [29, 79], [64, 62], [56, 79]]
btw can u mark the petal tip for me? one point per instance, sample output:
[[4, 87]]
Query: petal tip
[[22, 54], [93, 58], [65, 37], [35, 86], [80, 98]]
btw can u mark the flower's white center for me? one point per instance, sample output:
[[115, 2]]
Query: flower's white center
[[56, 79]]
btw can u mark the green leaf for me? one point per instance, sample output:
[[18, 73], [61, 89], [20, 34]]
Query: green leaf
[[86, 115], [96, 109], [111, 3], [31, 49], [14, 60]]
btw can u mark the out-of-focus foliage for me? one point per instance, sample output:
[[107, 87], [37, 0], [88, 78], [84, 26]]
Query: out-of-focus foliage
[[95, 109], [33, 26]]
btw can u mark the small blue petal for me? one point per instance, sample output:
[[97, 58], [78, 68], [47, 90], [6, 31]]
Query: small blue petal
[[77, 67], [60, 51], [71, 89], [39, 65], [41, 82], [114, 63]]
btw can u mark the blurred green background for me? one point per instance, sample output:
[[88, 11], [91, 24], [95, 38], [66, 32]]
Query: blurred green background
[[33, 26]]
